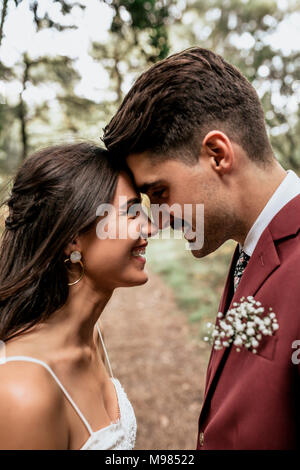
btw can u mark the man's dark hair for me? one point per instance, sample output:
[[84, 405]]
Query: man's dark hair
[[173, 105]]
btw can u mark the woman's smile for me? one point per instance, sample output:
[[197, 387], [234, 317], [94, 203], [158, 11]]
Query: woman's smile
[[138, 253]]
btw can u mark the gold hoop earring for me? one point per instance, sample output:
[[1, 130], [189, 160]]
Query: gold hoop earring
[[76, 259]]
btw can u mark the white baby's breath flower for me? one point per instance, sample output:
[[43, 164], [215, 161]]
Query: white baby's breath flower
[[243, 325], [250, 331], [238, 341]]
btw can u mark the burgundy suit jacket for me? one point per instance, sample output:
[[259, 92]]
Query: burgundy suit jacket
[[252, 401]]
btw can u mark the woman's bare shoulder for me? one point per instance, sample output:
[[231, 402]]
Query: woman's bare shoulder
[[32, 412]]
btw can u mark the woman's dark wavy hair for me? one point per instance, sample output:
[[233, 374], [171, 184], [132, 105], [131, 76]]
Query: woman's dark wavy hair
[[54, 198]]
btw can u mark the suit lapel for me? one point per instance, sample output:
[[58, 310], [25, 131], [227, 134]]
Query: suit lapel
[[261, 264], [227, 294]]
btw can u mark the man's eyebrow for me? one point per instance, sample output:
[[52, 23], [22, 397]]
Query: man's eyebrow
[[143, 188], [134, 200]]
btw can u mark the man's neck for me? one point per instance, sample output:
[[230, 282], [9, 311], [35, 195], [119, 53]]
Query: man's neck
[[260, 187]]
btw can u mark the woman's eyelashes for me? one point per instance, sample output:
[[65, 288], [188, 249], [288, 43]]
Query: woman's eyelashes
[[134, 211], [139, 210]]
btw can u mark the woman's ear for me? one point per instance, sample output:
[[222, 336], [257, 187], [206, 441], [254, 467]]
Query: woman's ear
[[218, 148], [74, 245]]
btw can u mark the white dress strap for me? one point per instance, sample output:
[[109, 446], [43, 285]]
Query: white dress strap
[[42, 363], [106, 355]]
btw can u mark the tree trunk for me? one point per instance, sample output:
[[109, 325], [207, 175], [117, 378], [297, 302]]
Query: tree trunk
[[119, 81], [22, 109], [22, 117], [3, 16]]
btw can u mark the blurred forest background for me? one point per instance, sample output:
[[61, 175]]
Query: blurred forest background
[[66, 65]]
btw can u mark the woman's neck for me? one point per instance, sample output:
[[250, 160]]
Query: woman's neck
[[75, 320], [70, 330]]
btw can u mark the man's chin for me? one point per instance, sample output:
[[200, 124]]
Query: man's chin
[[205, 250], [199, 253]]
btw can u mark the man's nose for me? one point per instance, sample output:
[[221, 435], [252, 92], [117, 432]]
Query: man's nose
[[162, 218], [148, 227], [176, 223]]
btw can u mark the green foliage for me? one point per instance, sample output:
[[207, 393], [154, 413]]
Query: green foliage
[[240, 30], [138, 37], [148, 15], [43, 70], [31, 72], [45, 21]]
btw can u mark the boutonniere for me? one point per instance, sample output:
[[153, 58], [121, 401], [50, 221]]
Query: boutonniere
[[243, 325]]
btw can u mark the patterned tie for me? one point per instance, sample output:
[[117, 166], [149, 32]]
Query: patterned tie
[[239, 268]]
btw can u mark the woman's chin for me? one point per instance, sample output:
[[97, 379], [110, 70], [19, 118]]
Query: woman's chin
[[137, 280], [142, 280]]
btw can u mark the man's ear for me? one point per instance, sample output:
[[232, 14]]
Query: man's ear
[[74, 245], [218, 148]]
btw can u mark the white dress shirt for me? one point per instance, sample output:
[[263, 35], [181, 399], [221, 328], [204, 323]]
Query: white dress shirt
[[286, 191]]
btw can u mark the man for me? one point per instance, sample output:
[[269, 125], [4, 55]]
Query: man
[[192, 131]]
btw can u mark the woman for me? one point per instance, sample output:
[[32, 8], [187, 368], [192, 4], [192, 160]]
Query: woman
[[57, 273]]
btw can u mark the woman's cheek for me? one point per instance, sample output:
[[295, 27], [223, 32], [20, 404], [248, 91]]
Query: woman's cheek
[[107, 227], [127, 229], [134, 229], [121, 228]]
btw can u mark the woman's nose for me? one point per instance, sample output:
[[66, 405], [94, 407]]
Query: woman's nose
[[148, 228]]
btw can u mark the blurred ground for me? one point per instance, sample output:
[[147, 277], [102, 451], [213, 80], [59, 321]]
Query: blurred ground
[[160, 362]]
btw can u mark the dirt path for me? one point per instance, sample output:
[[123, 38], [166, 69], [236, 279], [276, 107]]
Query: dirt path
[[160, 366]]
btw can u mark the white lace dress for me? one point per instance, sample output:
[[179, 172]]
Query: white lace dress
[[119, 435]]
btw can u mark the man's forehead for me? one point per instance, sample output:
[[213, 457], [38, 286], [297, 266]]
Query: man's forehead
[[138, 160], [145, 172]]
